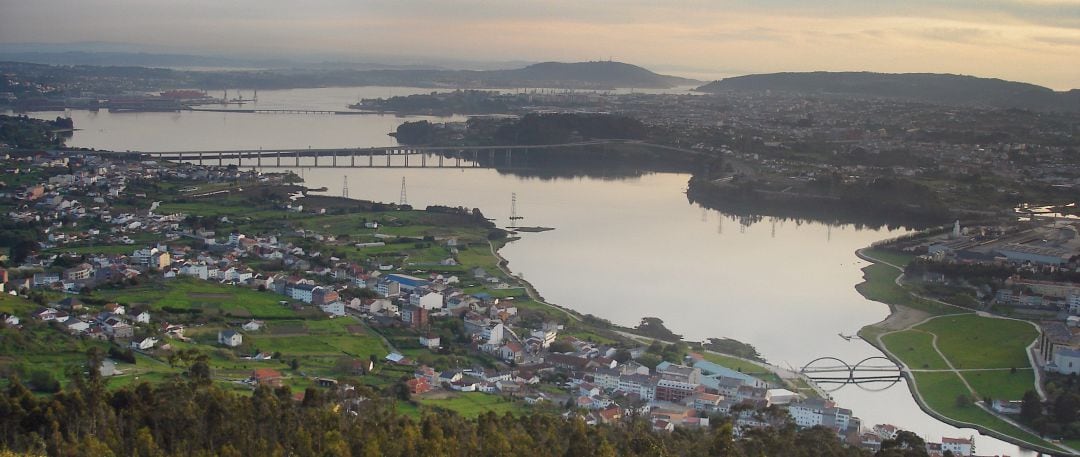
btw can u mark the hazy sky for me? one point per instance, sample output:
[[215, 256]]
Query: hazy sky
[[1027, 40]]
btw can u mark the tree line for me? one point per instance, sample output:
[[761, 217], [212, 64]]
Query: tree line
[[190, 415]]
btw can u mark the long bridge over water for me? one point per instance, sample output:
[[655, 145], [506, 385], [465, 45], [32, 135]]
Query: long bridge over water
[[507, 156]]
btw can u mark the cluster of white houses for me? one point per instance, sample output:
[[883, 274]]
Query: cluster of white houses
[[112, 322]]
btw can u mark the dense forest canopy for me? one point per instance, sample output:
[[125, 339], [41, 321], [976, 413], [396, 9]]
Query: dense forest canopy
[[190, 416]]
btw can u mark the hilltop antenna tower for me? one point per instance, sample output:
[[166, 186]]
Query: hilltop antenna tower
[[513, 209], [345, 188], [403, 200]]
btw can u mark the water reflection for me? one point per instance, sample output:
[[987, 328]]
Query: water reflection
[[628, 248]]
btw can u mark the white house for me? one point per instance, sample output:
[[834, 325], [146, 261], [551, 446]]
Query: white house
[[76, 326], [197, 270], [545, 336], [46, 314], [144, 344], [334, 308], [230, 338], [252, 325], [143, 317], [430, 341], [11, 320]]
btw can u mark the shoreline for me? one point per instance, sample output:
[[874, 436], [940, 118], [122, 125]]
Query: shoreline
[[899, 315], [534, 294]]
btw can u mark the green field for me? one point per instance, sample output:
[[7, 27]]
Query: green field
[[99, 249], [743, 366], [1001, 385], [940, 391], [879, 284], [896, 258], [472, 404], [915, 349], [359, 346], [971, 341], [16, 305], [212, 297]]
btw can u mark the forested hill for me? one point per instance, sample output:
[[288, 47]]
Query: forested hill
[[928, 87], [190, 416], [576, 75], [614, 74]]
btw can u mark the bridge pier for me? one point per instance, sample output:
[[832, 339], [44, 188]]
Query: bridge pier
[[316, 159], [334, 162], [509, 156], [371, 158], [406, 158], [353, 161], [221, 159], [200, 159], [387, 158], [297, 159], [279, 158], [258, 159]]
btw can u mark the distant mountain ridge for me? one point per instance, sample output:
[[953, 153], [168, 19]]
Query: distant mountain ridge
[[280, 73], [926, 87], [617, 74]]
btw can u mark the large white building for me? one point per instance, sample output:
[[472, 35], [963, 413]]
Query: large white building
[[814, 412], [958, 446], [430, 300], [302, 292], [493, 333], [1065, 361]]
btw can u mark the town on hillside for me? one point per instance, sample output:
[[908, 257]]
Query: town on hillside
[[166, 265]]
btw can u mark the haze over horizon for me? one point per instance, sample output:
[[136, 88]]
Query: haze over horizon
[[1036, 41]]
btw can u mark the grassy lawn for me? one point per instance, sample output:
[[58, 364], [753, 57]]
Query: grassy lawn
[[472, 404], [193, 293], [914, 349], [879, 285], [743, 366], [329, 345], [16, 305], [1001, 385], [896, 258], [218, 208], [940, 391], [970, 341], [733, 363], [99, 249]]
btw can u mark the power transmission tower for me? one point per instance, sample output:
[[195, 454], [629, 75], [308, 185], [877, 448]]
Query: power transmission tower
[[513, 209], [345, 188], [403, 200]]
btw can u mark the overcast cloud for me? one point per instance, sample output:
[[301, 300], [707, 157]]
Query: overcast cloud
[[1027, 40]]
